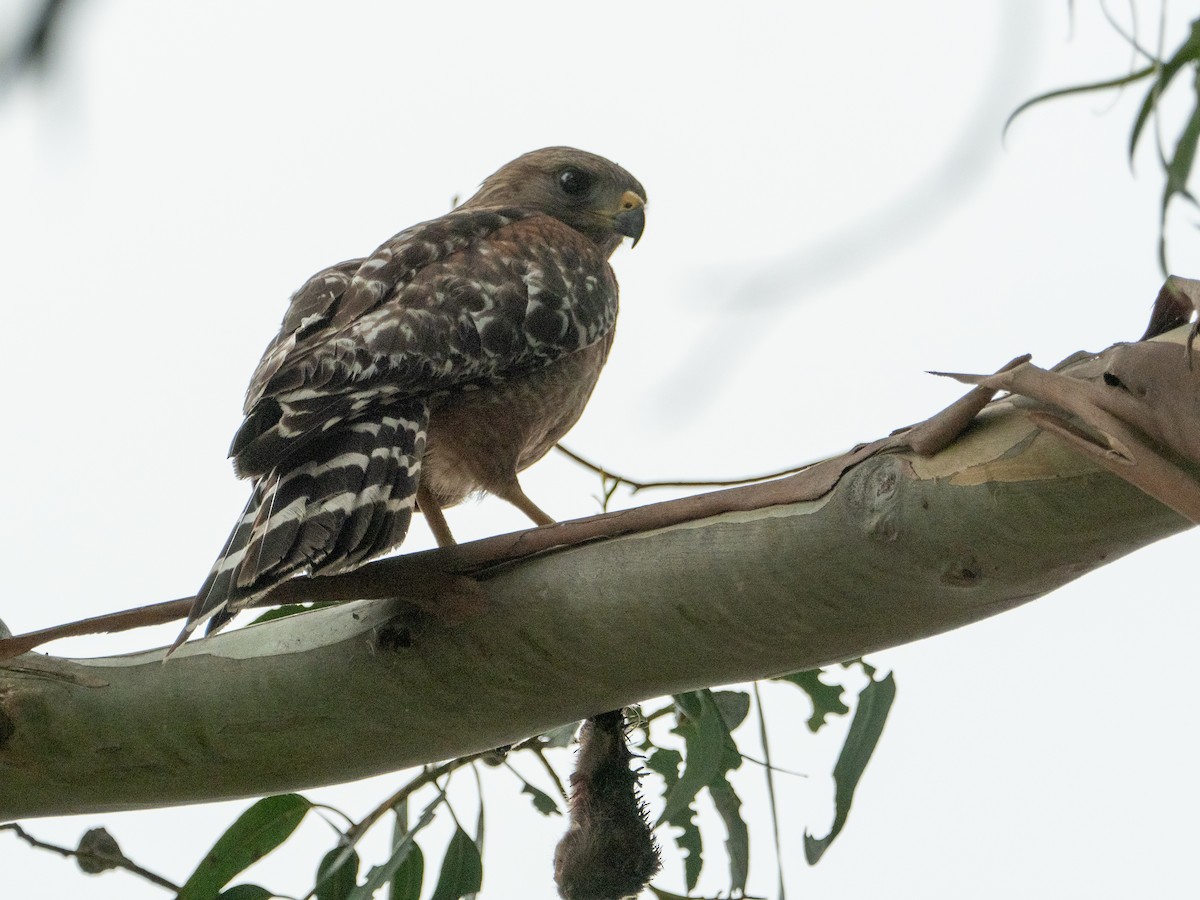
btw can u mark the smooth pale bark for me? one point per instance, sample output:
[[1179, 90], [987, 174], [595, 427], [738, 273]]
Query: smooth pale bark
[[901, 548]]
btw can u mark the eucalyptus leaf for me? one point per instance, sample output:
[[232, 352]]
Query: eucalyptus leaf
[[462, 868], [542, 802], [1179, 169], [336, 884], [737, 841], [405, 882], [409, 876], [826, 698], [255, 833], [1188, 52], [704, 737], [874, 703], [403, 848], [708, 746], [561, 736], [479, 831], [734, 707], [666, 762], [1109, 84]]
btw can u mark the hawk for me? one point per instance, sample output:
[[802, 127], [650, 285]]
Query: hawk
[[440, 366]]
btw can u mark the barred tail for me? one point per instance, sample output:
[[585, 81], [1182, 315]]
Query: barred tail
[[349, 498]]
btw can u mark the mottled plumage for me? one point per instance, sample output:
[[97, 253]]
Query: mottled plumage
[[441, 365]]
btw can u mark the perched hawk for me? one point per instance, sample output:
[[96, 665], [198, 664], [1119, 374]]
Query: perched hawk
[[443, 364]]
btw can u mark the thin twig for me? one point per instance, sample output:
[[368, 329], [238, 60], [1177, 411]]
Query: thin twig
[[118, 861], [355, 832], [528, 786], [636, 485], [540, 753], [766, 765], [428, 776], [769, 770]]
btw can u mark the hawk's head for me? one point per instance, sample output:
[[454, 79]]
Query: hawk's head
[[588, 192]]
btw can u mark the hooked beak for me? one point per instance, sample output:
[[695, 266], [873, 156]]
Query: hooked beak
[[631, 220]]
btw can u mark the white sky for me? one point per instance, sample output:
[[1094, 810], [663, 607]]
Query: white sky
[[831, 214]]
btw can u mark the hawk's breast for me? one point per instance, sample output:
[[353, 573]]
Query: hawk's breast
[[479, 439]]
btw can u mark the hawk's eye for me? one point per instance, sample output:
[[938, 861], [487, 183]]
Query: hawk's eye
[[573, 182]]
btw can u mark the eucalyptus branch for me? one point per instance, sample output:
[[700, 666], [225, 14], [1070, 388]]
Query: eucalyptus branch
[[434, 580], [720, 567]]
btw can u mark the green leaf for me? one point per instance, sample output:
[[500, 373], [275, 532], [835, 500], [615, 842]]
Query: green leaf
[[409, 877], [404, 847], [704, 735], [734, 707], [737, 841], [1179, 170], [479, 830], [389, 870], [561, 736], [1122, 81], [865, 728], [731, 708], [826, 698], [401, 886], [336, 884], [666, 763], [255, 833], [462, 868], [710, 750], [246, 892], [1188, 52], [542, 802]]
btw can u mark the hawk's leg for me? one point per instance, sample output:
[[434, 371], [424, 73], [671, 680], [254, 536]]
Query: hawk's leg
[[511, 491], [433, 516]]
